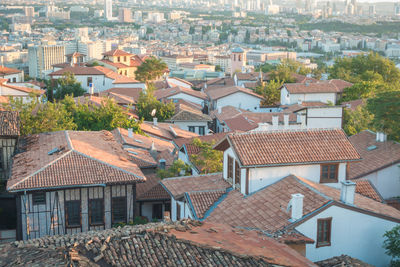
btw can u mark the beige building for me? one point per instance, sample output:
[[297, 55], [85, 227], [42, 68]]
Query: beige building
[[42, 58], [175, 60], [238, 60], [125, 15]]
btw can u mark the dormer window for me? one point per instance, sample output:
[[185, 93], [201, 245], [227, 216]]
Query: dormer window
[[329, 173]]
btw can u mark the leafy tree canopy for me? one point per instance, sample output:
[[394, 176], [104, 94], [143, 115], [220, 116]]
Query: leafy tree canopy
[[392, 245], [178, 168], [357, 120], [208, 160], [150, 70], [147, 102], [270, 91], [385, 107], [67, 85]]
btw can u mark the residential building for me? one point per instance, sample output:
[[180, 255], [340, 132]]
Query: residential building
[[17, 91], [179, 92], [43, 57], [125, 15], [285, 181], [12, 75], [323, 91], [380, 164], [97, 79], [238, 60], [9, 134], [55, 195], [235, 96], [174, 61]]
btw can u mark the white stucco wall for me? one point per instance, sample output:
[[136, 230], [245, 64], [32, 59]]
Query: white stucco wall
[[239, 100], [326, 117], [184, 157], [323, 97], [100, 82], [355, 234], [184, 125], [185, 210], [129, 85], [386, 181], [261, 177], [188, 98]]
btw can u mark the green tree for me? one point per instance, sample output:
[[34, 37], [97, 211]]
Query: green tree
[[270, 91], [147, 102], [358, 120], [385, 107], [285, 70], [363, 90], [218, 68], [178, 168], [208, 160], [266, 67], [392, 245], [67, 85], [37, 117], [150, 70]]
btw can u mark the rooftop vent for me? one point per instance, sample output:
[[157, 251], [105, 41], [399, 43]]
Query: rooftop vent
[[139, 141], [55, 150], [370, 148], [133, 152]]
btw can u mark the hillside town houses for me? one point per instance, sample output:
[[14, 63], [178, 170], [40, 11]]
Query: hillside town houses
[[292, 188]]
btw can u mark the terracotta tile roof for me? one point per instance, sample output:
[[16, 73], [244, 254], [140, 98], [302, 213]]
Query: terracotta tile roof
[[166, 131], [227, 112], [134, 93], [291, 147], [201, 201], [343, 261], [151, 189], [186, 113], [118, 78], [204, 138], [332, 86], [352, 105], [3, 100], [219, 82], [375, 155], [117, 65], [168, 92], [240, 123], [78, 70], [178, 186], [141, 141], [141, 157], [251, 76], [22, 89], [302, 79], [185, 243], [303, 105], [217, 93], [76, 158], [116, 53], [7, 71], [266, 209], [166, 155], [9, 123], [366, 188]]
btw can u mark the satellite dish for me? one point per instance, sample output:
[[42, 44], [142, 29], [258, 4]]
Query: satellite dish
[[153, 112]]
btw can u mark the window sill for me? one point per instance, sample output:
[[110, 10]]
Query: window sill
[[73, 226], [96, 224], [320, 245], [328, 181]]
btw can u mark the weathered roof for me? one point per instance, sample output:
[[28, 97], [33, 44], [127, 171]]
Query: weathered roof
[[219, 92], [151, 189], [9, 123], [188, 243], [134, 93], [376, 155], [71, 158], [201, 201], [332, 86], [266, 208], [166, 131], [22, 88], [168, 92], [7, 71], [343, 261], [116, 52], [290, 147], [178, 186], [367, 189], [240, 123], [187, 113]]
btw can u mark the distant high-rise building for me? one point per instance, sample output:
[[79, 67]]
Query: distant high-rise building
[[29, 11], [125, 15], [137, 16], [43, 57], [108, 13], [371, 10], [397, 9]]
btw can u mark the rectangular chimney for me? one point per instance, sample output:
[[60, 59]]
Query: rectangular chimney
[[130, 132], [275, 122], [296, 203], [286, 120], [155, 121], [348, 192]]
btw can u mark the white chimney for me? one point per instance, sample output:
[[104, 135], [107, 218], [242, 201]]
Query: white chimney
[[275, 121], [286, 120], [296, 203], [219, 110], [381, 137], [299, 101], [303, 120], [263, 126], [155, 121], [347, 193], [130, 132]]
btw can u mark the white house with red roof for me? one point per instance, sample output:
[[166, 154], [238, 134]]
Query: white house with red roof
[[323, 91], [291, 185], [25, 93], [99, 77], [12, 75]]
